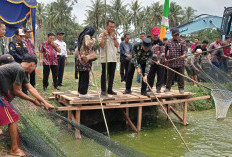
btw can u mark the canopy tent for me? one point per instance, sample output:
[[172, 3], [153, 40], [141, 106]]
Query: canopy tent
[[16, 13]]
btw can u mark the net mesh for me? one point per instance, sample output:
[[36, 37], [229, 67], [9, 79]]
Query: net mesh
[[47, 134], [220, 84]]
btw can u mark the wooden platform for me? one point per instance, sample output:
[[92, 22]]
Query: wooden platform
[[71, 102]]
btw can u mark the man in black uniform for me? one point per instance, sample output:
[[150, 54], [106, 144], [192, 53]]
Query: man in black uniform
[[142, 56], [158, 50], [18, 49]]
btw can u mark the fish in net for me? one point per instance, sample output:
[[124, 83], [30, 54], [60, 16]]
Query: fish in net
[[47, 134]]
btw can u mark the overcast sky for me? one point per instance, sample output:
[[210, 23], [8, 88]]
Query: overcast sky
[[212, 7]]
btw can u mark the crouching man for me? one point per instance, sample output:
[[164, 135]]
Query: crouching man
[[12, 77]]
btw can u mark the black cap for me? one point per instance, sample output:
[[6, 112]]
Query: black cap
[[147, 43], [60, 32], [175, 31], [7, 58]]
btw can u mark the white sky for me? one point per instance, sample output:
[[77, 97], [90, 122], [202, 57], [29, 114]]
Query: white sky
[[212, 7]]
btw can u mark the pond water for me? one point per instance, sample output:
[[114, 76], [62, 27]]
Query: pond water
[[204, 135]]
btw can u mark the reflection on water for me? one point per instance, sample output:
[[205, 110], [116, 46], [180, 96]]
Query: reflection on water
[[204, 135]]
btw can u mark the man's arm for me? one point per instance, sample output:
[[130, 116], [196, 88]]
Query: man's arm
[[35, 94], [41, 58], [102, 42], [17, 91]]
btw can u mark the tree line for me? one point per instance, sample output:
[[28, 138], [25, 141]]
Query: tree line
[[131, 18]]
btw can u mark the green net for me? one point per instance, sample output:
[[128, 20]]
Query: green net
[[48, 134]]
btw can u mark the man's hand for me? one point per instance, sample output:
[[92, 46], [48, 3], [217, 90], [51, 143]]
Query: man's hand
[[128, 57], [48, 106], [113, 35], [66, 62], [158, 62], [183, 56], [145, 79], [197, 70], [105, 33], [139, 71], [41, 62], [36, 102]]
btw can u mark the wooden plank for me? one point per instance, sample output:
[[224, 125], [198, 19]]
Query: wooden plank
[[176, 113], [140, 116], [130, 122], [96, 107], [112, 104], [51, 98], [185, 113]]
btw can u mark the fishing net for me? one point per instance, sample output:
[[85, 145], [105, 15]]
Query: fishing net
[[223, 100], [220, 84], [47, 134]]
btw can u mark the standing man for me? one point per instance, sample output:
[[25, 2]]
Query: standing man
[[31, 50], [196, 42], [141, 37], [108, 45], [48, 58], [12, 77], [125, 56], [158, 50], [177, 48], [2, 34], [62, 57], [142, 56], [214, 53], [18, 49], [226, 51]]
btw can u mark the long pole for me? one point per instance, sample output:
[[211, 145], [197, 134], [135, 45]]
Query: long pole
[[106, 49], [174, 126], [199, 53], [186, 77]]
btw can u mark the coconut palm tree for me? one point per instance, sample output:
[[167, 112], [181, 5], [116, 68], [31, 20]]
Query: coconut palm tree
[[156, 13], [189, 14], [175, 14], [135, 9]]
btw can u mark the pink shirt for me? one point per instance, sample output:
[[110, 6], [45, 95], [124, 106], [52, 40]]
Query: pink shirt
[[193, 46], [30, 46], [49, 53]]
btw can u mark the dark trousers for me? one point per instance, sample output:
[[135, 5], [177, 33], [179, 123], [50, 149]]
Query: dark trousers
[[32, 78], [130, 75], [76, 71], [124, 69], [83, 82], [160, 71], [170, 77], [46, 72], [60, 69], [110, 72]]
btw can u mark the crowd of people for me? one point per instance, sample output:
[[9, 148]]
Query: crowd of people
[[149, 57]]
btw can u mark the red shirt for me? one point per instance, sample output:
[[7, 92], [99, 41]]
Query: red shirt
[[193, 46], [50, 54], [226, 50], [30, 46]]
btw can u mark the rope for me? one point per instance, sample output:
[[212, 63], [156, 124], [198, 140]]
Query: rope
[[102, 108], [161, 105], [185, 76]]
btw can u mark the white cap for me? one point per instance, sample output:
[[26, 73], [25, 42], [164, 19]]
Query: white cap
[[20, 32], [198, 51]]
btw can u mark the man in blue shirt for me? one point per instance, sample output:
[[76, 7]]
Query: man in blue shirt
[[125, 56]]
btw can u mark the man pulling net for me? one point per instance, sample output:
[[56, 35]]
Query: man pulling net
[[12, 77]]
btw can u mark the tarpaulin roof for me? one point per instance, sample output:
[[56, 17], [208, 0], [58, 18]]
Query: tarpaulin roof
[[15, 13]]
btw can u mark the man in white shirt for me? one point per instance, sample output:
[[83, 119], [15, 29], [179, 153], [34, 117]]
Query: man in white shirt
[[62, 57], [108, 51]]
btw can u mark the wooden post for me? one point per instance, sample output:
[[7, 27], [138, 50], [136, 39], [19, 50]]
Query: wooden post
[[130, 122], [78, 120], [185, 113], [70, 118], [128, 114], [140, 115]]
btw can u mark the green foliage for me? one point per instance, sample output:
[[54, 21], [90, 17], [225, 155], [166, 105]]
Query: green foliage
[[57, 16]]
